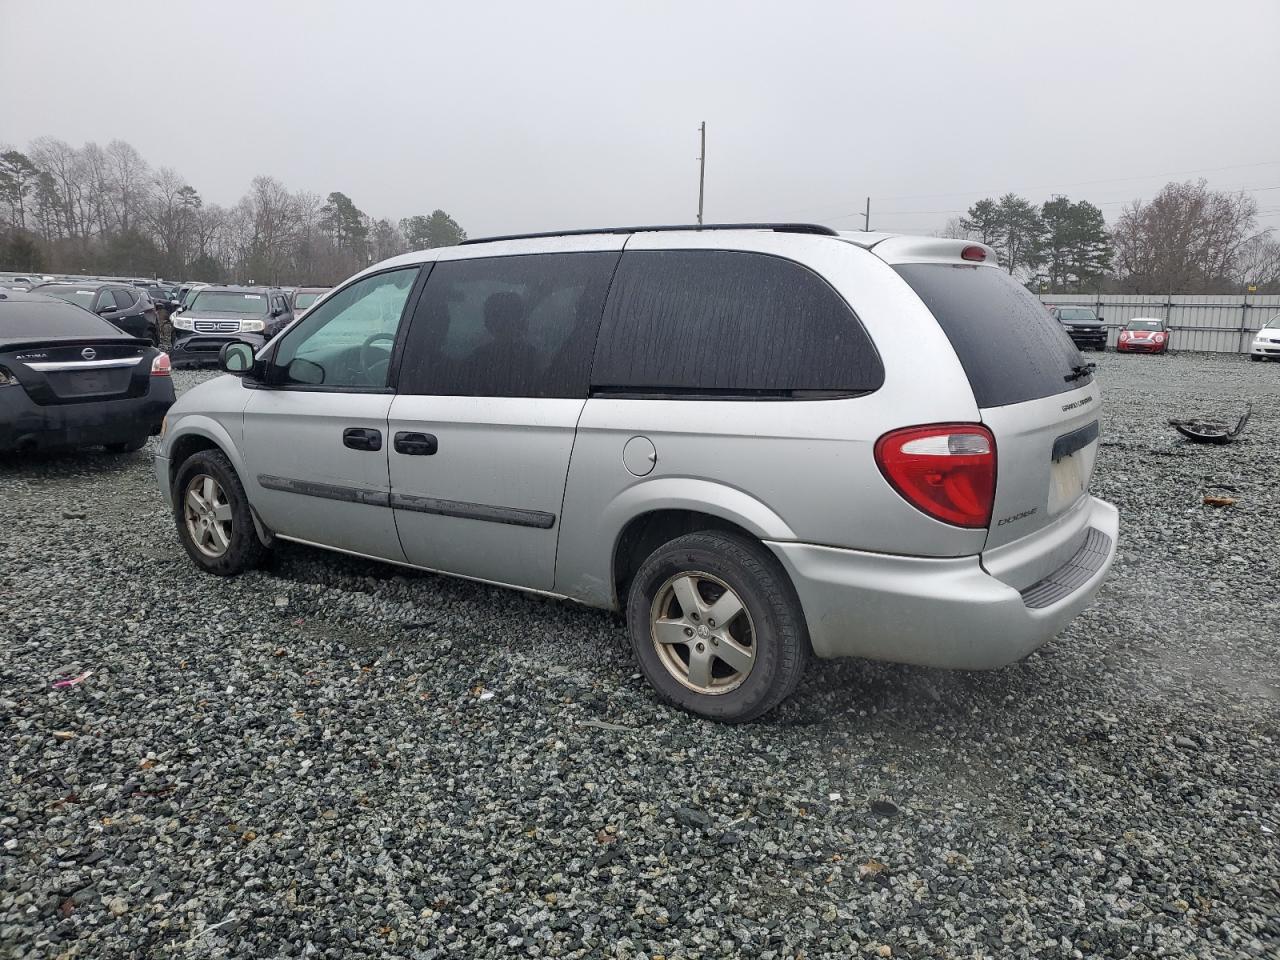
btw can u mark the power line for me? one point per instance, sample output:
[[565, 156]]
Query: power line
[[1103, 203], [1055, 187]]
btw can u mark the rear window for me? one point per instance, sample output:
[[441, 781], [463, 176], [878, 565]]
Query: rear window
[[54, 318], [711, 322], [1009, 346], [77, 295]]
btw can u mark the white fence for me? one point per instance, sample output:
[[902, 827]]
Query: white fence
[[1221, 323]]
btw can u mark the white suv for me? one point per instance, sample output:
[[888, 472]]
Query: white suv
[[759, 442]]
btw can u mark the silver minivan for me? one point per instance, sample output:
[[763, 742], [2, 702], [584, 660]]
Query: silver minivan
[[757, 442]]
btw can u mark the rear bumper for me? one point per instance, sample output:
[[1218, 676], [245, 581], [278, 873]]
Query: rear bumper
[[196, 349], [25, 425], [946, 612]]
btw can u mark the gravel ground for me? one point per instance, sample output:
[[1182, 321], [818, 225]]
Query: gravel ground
[[332, 758]]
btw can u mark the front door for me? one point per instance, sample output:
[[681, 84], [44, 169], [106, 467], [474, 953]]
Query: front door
[[315, 435], [494, 377]]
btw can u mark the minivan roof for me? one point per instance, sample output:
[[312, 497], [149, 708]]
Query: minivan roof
[[893, 248], [810, 228]]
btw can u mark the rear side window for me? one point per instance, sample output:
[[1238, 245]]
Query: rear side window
[[1010, 347], [718, 322], [124, 299], [522, 326]]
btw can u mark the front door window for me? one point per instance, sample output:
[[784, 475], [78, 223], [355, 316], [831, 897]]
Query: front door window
[[347, 341]]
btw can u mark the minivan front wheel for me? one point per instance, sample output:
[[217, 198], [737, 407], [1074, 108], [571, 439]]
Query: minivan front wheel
[[211, 512], [716, 627]]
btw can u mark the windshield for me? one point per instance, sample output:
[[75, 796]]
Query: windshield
[[51, 319], [303, 300], [1144, 325], [1076, 313], [77, 295], [230, 301], [1273, 324]]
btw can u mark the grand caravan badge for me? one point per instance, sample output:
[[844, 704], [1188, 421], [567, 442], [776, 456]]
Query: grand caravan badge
[[1079, 403]]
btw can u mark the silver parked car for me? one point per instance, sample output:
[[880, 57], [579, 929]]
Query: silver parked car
[[758, 442]]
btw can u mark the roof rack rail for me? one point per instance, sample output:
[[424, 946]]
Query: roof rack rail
[[812, 228]]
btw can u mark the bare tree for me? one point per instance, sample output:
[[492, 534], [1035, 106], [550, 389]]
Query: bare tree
[[1188, 239], [65, 166], [128, 178], [955, 229], [1260, 264], [91, 209]]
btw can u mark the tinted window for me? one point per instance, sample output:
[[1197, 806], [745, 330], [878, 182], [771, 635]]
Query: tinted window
[[124, 299], [54, 318], [1011, 349], [347, 342], [521, 326], [303, 300], [720, 321]]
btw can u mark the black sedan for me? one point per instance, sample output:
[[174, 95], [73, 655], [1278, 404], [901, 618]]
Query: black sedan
[[71, 379]]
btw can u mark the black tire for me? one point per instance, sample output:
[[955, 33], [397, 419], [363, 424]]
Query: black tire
[[244, 551], [1254, 357], [780, 637], [128, 446]]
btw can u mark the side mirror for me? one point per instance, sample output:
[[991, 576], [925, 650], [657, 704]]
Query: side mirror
[[306, 371], [1099, 319], [236, 358]]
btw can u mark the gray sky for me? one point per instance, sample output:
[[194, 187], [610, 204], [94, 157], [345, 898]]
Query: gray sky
[[542, 115]]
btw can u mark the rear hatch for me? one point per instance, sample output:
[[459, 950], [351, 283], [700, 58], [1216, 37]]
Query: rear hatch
[[79, 370], [1036, 395]]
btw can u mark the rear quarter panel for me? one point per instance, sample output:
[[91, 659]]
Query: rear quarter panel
[[787, 470]]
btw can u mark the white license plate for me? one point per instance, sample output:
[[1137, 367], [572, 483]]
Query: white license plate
[[1067, 478]]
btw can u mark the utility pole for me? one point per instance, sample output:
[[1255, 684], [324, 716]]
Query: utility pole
[[866, 217], [702, 170]]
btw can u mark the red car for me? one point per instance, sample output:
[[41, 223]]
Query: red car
[[1143, 335]]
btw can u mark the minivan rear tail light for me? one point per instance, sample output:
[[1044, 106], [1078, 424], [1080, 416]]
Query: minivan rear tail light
[[946, 470], [160, 366], [974, 253]]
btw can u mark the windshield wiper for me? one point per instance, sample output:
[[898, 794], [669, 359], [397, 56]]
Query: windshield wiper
[[1079, 371]]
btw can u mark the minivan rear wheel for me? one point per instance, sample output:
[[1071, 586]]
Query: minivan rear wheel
[[211, 512], [716, 626]]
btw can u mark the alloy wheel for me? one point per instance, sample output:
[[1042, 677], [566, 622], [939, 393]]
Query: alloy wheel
[[702, 632], [207, 513]]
